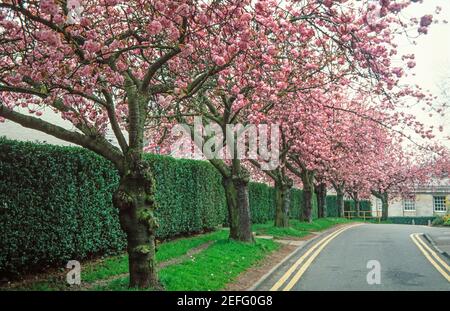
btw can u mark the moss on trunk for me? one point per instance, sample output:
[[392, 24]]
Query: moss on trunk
[[135, 200], [282, 203], [236, 191]]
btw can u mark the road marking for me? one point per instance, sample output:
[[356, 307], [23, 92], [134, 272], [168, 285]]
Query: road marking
[[418, 242], [439, 259], [291, 270], [303, 268]]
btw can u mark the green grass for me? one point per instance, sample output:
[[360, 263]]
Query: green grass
[[117, 265], [297, 228], [269, 229], [166, 251], [44, 286], [179, 247], [211, 269]]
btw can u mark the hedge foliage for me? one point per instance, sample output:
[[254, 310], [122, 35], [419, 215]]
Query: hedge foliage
[[409, 220], [190, 195], [349, 205], [262, 203], [332, 207], [55, 205]]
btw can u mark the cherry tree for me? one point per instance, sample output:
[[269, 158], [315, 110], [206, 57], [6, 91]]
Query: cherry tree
[[106, 64]]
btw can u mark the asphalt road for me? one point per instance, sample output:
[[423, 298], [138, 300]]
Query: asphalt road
[[341, 262]]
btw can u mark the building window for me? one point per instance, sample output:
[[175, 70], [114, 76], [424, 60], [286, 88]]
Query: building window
[[409, 204], [439, 204]]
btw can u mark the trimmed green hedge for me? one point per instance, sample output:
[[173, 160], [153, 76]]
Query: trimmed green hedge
[[349, 205], [332, 208], [189, 193], [365, 206], [262, 202], [56, 203], [408, 220]]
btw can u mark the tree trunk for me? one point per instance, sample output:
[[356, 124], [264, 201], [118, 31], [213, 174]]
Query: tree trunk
[[321, 193], [384, 206], [357, 207], [283, 201], [340, 202], [307, 205], [236, 191], [308, 190], [135, 200]]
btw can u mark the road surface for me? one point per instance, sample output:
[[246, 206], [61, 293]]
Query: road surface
[[394, 257]]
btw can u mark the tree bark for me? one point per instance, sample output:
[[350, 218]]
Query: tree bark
[[384, 206], [357, 207], [135, 200], [340, 202], [321, 193], [236, 191], [283, 201], [308, 190]]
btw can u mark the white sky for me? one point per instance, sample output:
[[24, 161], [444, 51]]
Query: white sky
[[432, 53]]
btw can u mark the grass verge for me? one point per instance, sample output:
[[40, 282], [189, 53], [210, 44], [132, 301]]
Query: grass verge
[[211, 269], [166, 251], [116, 265], [298, 229]]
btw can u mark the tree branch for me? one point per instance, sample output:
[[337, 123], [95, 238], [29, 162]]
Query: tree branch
[[95, 143], [155, 66], [114, 124]]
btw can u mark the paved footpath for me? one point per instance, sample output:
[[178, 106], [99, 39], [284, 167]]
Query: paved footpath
[[346, 258]]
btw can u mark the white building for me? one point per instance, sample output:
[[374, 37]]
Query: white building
[[428, 200]]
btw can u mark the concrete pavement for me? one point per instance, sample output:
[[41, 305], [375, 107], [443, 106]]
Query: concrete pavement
[[441, 240], [342, 260]]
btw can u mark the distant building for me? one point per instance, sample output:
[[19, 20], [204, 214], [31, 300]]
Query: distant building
[[427, 200]]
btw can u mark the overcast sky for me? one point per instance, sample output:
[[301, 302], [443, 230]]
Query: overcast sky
[[432, 53]]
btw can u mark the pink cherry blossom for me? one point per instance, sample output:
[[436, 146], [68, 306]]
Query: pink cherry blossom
[[154, 28]]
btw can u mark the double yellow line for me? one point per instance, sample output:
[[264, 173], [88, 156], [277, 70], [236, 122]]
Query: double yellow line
[[443, 268], [314, 251]]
